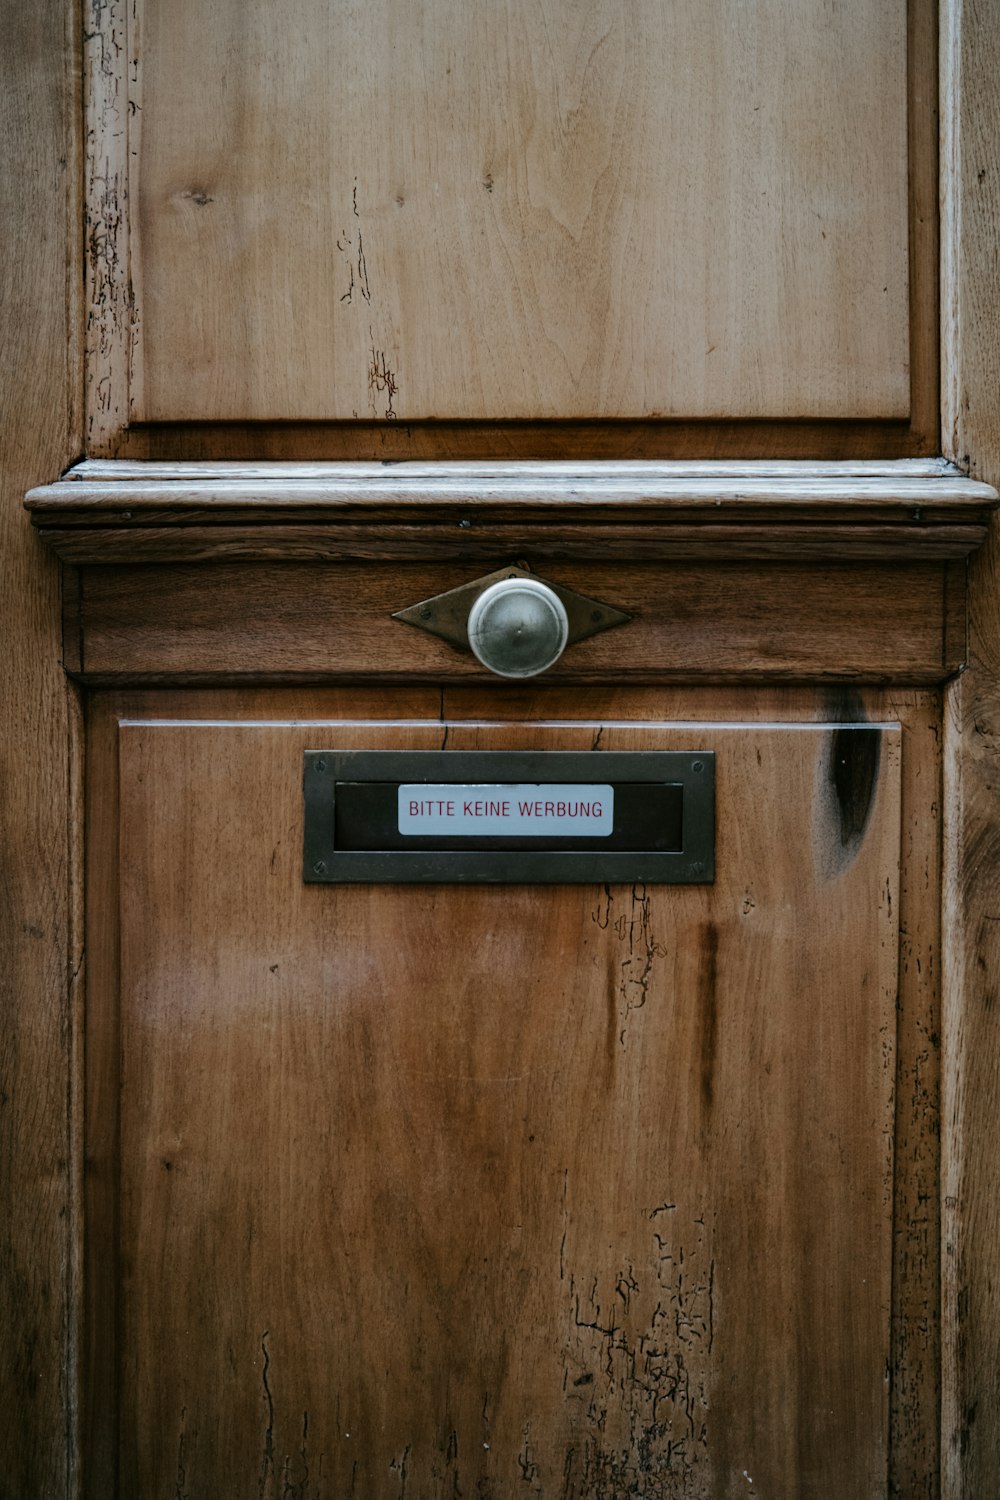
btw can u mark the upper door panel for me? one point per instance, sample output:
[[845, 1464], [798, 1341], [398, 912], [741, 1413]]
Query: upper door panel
[[534, 211]]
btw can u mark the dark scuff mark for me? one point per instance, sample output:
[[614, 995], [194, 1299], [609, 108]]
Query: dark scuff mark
[[363, 270], [401, 1466], [635, 928], [611, 1026], [985, 950], [353, 246], [640, 1363], [381, 381], [303, 1486], [708, 1011], [845, 705], [847, 779], [181, 1491], [267, 1458], [525, 1459], [602, 915], [965, 1431], [854, 763]]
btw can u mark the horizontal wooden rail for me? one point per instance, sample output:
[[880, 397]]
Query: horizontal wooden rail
[[129, 512], [729, 571]]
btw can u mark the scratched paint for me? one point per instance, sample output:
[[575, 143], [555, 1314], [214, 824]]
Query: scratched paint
[[638, 1360]]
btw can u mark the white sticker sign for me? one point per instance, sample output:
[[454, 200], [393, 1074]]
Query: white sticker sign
[[573, 810]]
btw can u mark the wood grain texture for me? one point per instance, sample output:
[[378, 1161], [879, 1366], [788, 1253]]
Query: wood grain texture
[[322, 620], [118, 50], [112, 471], [110, 305], [98, 1389], [923, 125], [396, 442], [971, 375], [672, 542], [40, 944], [198, 512], [512, 239], [856, 489], [407, 1162], [914, 1365], [914, 1470]]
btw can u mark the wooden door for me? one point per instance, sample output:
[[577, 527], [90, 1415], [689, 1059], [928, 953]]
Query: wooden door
[[423, 1191]]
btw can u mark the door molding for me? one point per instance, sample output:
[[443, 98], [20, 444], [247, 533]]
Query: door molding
[[728, 571]]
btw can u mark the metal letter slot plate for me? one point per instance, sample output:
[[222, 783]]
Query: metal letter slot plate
[[509, 817]]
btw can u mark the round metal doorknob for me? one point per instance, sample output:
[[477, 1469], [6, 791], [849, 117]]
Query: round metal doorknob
[[518, 627]]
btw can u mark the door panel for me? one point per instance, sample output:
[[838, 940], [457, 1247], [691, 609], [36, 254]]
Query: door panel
[[556, 1190], [529, 210], [666, 220]]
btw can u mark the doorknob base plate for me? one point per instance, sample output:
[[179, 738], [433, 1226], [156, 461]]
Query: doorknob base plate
[[447, 615]]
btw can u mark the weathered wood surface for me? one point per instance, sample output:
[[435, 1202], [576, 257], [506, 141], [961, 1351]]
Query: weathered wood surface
[[164, 541], [110, 305], [914, 1383], [855, 490], [304, 621], [914, 1469], [914, 1459], [39, 943], [199, 512], [971, 424], [98, 1394], [395, 442], [522, 246], [567, 1311], [636, 474], [515, 241]]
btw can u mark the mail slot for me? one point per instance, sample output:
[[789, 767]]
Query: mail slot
[[509, 817]]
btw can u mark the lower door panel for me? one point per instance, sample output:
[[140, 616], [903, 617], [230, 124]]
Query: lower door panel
[[445, 1191]]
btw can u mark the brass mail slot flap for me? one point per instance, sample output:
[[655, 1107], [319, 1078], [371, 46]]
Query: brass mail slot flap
[[524, 817]]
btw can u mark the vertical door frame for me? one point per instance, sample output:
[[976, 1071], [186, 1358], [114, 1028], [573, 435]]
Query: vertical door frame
[[970, 301], [41, 421]]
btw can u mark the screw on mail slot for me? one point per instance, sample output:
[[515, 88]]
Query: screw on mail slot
[[509, 816]]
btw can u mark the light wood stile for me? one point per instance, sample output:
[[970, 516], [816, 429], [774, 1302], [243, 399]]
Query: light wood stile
[[40, 802]]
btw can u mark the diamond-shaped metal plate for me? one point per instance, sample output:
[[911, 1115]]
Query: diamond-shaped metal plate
[[447, 615]]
